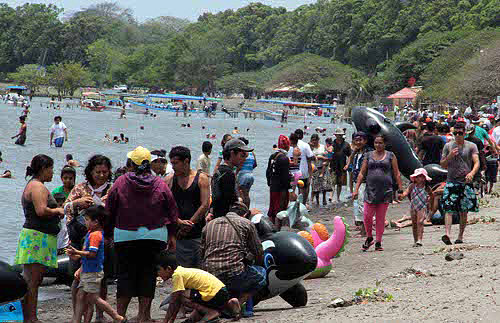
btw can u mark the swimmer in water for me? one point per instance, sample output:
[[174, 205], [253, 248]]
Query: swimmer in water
[[236, 131], [6, 174], [126, 140], [71, 162], [122, 137], [189, 125], [107, 138], [21, 136], [116, 140]]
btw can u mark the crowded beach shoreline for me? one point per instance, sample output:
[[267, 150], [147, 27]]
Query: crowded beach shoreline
[[416, 267], [465, 290]]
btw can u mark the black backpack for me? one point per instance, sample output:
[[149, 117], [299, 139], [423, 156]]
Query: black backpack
[[271, 167]]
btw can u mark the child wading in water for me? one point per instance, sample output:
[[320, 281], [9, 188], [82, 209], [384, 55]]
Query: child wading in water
[[197, 289], [91, 272], [419, 193]]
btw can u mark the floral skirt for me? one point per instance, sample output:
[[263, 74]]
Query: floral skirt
[[35, 247], [459, 198], [321, 184]]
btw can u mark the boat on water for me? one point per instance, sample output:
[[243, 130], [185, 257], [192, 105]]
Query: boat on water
[[93, 105]]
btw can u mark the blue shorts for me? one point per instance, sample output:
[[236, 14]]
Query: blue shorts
[[58, 142], [245, 180], [252, 279]]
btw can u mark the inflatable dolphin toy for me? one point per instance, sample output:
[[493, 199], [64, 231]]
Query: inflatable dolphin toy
[[297, 215], [373, 122], [12, 284], [288, 259]]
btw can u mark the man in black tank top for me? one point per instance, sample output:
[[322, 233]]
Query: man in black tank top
[[191, 191]]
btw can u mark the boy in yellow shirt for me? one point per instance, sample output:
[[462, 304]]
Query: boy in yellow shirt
[[197, 289]]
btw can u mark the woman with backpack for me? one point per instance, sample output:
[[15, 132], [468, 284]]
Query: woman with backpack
[[278, 179]]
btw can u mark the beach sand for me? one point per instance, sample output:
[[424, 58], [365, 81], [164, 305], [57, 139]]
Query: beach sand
[[466, 290]]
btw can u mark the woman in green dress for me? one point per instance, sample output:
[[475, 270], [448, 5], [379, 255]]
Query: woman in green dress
[[37, 248]]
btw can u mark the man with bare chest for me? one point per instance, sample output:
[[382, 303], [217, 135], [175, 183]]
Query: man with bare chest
[[191, 191]]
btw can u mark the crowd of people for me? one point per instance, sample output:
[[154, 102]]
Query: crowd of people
[[159, 216]]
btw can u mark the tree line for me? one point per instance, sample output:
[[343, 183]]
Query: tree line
[[373, 46]]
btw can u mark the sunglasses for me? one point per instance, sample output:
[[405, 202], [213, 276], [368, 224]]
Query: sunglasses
[[458, 133]]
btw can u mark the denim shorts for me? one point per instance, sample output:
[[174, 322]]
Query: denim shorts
[[252, 279], [58, 142], [245, 180]]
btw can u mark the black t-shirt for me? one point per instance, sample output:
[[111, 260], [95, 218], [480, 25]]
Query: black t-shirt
[[278, 172], [340, 153], [223, 190], [432, 146]]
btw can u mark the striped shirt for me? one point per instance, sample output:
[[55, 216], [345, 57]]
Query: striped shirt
[[222, 250]]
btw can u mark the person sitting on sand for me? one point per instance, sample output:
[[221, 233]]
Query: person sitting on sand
[[71, 162], [419, 193], [197, 289]]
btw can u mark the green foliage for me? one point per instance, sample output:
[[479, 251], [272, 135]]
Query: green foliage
[[374, 294], [465, 70], [31, 75], [67, 77], [335, 45]]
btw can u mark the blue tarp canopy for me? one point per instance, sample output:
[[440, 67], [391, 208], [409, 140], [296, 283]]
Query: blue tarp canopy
[[182, 97], [16, 87], [114, 101]]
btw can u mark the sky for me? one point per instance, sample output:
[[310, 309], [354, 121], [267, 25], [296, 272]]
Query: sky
[[187, 9]]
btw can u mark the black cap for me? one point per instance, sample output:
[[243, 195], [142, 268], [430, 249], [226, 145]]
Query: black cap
[[236, 144]]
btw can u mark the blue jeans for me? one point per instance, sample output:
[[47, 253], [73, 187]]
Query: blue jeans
[[250, 280]]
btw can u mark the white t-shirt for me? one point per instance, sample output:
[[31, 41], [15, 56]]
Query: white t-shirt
[[305, 153], [58, 130], [496, 134]]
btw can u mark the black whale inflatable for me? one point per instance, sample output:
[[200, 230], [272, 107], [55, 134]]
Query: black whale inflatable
[[373, 122], [12, 284], [288, 259], [404, 125], [62, 273]]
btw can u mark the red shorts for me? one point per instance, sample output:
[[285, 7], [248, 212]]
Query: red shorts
[[278, 202]]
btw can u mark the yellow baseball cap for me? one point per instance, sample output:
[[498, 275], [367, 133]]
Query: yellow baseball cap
[[139, 154]]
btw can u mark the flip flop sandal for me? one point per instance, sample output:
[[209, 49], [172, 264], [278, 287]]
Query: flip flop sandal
[[368, 243], [458, 241], [378, 247], [446, 240], [415, 245], [419, 244]]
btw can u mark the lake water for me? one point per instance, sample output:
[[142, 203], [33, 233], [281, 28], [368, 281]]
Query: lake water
[[86, 131]]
